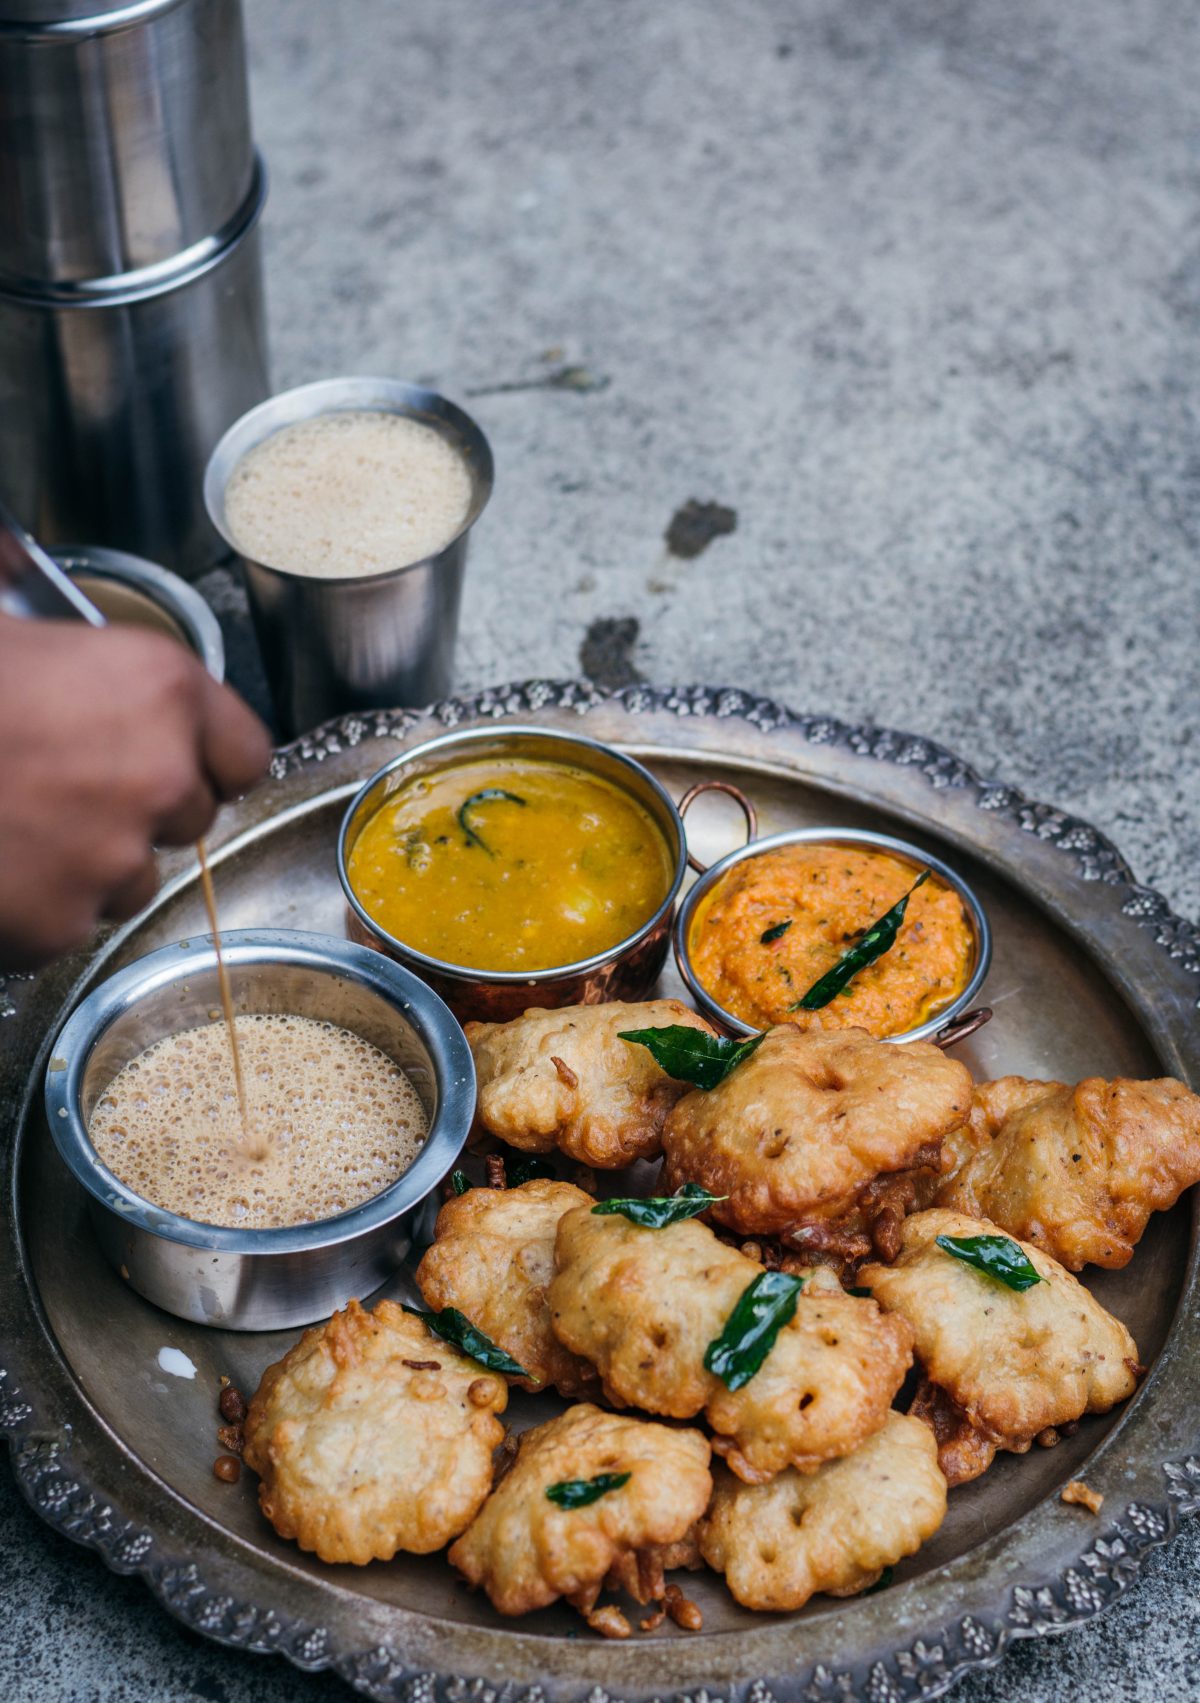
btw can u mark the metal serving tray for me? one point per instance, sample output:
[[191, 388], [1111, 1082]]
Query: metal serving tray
[[1092, 974]]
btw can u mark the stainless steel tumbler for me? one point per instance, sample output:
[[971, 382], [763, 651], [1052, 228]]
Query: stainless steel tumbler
[[333, 645]]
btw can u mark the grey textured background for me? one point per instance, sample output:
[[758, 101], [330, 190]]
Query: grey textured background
[[913, 286]]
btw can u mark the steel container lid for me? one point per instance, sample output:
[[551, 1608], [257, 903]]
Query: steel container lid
[[124, 134]]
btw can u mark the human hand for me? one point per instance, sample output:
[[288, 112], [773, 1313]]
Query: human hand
[[112, 741]]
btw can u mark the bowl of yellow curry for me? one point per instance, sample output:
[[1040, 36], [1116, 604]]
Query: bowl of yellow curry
[[515, 868], [833, 929]]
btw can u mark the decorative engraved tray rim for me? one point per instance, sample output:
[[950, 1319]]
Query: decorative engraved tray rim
[[911, 1642]]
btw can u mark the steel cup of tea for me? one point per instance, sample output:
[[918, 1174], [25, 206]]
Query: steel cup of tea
[[130, 591], [259, 1279], [332, 645]]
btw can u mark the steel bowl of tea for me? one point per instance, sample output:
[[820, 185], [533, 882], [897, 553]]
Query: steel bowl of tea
[[833, 928], [515, 868], [262, 1196]]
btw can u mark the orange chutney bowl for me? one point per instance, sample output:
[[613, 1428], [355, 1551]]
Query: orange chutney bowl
[[761, 927]]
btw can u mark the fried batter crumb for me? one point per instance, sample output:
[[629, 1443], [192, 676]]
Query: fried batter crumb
[[609, 1621], [566, 1075], [683, 1611], [497, 1177], [479, 1394], [1082, 1496], [231, 1437], [652, 1621]]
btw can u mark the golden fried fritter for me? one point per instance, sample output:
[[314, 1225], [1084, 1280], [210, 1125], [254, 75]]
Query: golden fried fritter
[[833, 1530], [563, 1079], [372, 1435], [493, 1258], [992, 1104], [1016, 1362], [796, 1131], [644, 1305], [1078, 1171], [526, 1551]]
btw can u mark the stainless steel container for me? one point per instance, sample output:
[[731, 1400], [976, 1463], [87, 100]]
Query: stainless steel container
[[124, 134], [332, 645], [128, 590], [259, 1279], [113, 392], [627, 970], [952, 1023]]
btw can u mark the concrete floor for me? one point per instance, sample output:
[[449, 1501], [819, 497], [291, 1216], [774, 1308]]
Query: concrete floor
[[912, 287]]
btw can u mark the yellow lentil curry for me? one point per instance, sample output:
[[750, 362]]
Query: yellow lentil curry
[[510, 864], [811, 903]]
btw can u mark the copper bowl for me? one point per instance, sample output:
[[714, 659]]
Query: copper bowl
[[627, 970]]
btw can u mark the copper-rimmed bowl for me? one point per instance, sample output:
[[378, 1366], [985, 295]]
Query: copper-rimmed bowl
[[626, 970], [951, 1022]]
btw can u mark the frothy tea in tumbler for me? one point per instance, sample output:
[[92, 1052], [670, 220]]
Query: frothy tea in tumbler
[[349, 503], [350, 494]]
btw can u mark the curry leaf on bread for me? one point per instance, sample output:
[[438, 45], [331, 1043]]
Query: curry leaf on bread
[[762, 1310], [456, 1329], [657, 1211], [997, 1256], [692, 1055], [581, 1492]]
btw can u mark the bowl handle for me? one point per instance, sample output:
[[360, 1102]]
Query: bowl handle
[[735, 792], [959, 1028]]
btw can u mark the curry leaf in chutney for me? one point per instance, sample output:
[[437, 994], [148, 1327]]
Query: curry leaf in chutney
[[692, 1055], [873, 944], [485, 796], [775, 932], [762, 1310]]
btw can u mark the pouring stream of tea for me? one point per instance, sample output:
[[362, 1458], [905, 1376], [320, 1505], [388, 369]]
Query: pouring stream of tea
[[256, 1146]]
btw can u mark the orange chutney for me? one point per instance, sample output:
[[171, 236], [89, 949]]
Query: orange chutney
[[828, 895]]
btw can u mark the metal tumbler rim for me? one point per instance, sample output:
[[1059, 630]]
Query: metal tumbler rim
[[59, 19]]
